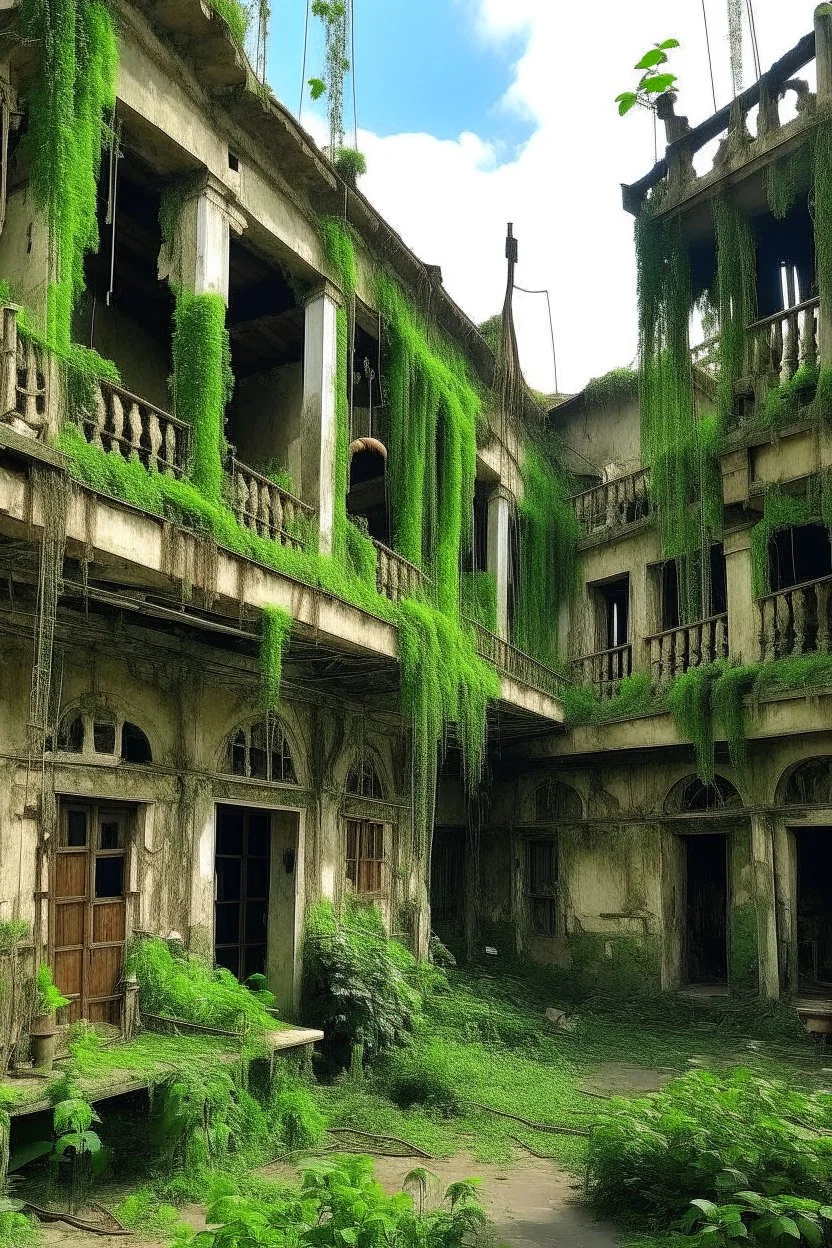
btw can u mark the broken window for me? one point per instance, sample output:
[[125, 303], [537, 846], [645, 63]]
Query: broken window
[[261, 751], [673, 592], [71, 735], [799, 554], [810, 784], [693, 796], [135, 747], [541, 885], [365, 856]]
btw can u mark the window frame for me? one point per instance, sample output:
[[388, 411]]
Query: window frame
[[352, 878]]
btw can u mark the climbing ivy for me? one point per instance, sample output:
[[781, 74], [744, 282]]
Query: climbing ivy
[[736, 278], [202, 383], [478, 598], [822, 212], [548, 536], [72, 91], [274, 641]]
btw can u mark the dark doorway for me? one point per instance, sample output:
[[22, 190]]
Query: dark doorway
[[447, 878], [706, 907], [799, 554], [242, 872], [814, 909], [615, 613]]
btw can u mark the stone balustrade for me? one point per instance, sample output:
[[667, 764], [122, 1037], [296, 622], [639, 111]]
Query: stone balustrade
[[677, 650], [796, 620], [521, 667], [396, 577], [605, 669], [613, 504], [128, 426], [781, 344], [24, 379], [265, 508]]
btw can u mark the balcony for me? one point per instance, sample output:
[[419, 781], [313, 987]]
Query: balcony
[[613, 505], [796, 620], [265, 508], [605, 669], [676, 650], [740, 152], [520, 667], [396, 577]]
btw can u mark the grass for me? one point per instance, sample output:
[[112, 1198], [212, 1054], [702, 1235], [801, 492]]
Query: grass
[[494, 1046]]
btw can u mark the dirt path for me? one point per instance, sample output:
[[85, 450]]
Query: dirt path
[[532, 1204]]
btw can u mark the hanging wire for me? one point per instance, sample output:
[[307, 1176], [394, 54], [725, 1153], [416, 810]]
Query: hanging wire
[[352, 63], [710, 58], [755, 49], [523, 290], [303, 70]]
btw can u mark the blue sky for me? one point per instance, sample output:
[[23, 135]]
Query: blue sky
[[421, 67]]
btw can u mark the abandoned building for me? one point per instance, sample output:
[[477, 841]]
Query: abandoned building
[[238, 629]]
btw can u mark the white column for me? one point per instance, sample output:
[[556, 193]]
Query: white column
[[320, 361], [199, 257], [498, 551], [743, 612]]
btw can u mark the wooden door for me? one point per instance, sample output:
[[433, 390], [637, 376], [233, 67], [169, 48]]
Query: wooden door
[[88, 914], [241, 889]]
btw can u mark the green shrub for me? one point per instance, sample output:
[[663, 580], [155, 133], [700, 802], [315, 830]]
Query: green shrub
[[340, 1204], [702, 1136], [358, 985], [49, 999], [421, 1080], [189, 988], [295, 1115]]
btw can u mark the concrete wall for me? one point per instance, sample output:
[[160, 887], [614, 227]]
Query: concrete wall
[[264, 420]]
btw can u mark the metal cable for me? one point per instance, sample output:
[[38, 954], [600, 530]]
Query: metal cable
[[523, 290], [352, 64], [303, 69], [710, 58], [755, 49]]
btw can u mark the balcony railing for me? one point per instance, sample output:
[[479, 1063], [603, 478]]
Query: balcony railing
[[134, 429], [796, 620], [514, 663], [265, 507], [778, 345], [605, 669], [677, 650], [396, 577], [613, 504]]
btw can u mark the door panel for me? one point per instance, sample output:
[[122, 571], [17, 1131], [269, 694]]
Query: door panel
[[88, 914], [242, 871]]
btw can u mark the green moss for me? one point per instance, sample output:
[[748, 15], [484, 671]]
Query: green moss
[[620, 385], [339, 250], [548, 532], [784, 176], [634, 696], [822, 214], [202, 384], [72, 91], [743, 956], [236, 15], [689, 698], [274, 641], [615, 965]]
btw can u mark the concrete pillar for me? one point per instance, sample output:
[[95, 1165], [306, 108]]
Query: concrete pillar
[[498, 551], [639, 625], [198, 260], [762, 863], [743, 617], [320, 359], [752, 944], [785, 894], [823, 51]]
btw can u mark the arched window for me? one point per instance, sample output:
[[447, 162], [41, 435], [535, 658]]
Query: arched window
[[808, 784], [363, 779], [693, 796], [101, 731], [555, 801], [260, 751]]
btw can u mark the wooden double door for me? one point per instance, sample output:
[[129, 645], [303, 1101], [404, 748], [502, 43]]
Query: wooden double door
[[88, 908]]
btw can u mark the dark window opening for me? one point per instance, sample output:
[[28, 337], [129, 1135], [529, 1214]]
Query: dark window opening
[[71, 736], [261, 752], [242, 872], [104, 737], [785, 257], [712, 597], [554, 801], [814, 910], [541, 885], [693, 796], [126, 312], [480, 553], [264, 418], [368, 501], [109, 877], [513, 572], [615, 607], [719, 581], [799, 554], [706, 908], [135, 747], [363, 779]]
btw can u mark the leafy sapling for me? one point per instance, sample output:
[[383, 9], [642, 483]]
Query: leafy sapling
[[654, 81]]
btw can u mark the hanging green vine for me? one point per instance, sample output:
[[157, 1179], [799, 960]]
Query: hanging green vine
[[822, 213], [736, 278], [202, 383], [548, 534], [72, 91], [478, 598], [274, 642], [780, 511], [333, 15]]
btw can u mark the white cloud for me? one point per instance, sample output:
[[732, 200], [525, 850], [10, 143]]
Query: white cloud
[[451, 200]]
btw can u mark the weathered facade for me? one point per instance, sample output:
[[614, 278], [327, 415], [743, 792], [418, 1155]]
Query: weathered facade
[[616, 850], [145, 785]]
